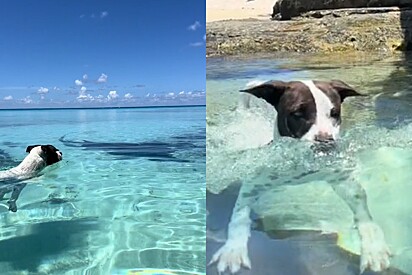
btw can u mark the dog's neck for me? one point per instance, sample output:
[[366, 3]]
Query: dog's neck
[[29, 167], [32, 163]]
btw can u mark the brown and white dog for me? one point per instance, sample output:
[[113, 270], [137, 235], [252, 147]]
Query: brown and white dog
[[12, 180], [307, 110]]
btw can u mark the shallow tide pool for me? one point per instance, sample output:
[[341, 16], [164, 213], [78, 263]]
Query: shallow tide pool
[[300, 225], [129, 193]]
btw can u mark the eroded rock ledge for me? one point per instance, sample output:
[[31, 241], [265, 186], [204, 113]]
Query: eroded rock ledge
[[355, 29], [286, 9]]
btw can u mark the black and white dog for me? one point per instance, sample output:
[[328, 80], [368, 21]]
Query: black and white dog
[[12, 180], [308, 110]]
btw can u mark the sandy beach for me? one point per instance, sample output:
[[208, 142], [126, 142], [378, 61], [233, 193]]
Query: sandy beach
[[238, 9]]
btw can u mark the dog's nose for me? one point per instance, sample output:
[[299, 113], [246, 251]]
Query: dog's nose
[[324, 137]]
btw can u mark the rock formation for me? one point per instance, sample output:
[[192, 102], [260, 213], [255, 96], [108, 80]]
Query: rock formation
[[286, 9]]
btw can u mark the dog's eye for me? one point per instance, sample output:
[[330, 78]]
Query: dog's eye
[[334, 113], [297, 114]]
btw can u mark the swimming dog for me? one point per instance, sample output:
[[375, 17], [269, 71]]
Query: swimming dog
[[306, 110], [12, 180]]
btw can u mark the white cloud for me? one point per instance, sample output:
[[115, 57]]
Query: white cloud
[[100, 15], [9, 97], [196, 44], [204, 37], [85, 77], [170, 94], [104, 14], [101, 98], [78, 82], [42, 90], [27, 100], [55, 88], [194, 26], [128, 96], [182, 93], [112, 95], [102, 78], [85, 97]]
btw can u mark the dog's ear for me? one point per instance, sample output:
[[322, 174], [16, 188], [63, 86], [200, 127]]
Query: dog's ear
[[29, 148], [270, 91], [343, 89], [48, 148]]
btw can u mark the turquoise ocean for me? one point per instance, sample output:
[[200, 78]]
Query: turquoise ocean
[[129, 193]]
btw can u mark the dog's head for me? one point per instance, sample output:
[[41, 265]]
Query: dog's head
[[308, 110], [48, 152]]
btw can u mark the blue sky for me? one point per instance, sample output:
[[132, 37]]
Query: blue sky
[[87, 53]]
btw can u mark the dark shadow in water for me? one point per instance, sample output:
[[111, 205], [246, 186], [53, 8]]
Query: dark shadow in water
[[6, 161], [11, 144], [286, 252], [406, 24], [391, 110], [47, 239], [181, 148]]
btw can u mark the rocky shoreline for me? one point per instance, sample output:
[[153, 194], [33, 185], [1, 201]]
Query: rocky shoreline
[[323, 31]]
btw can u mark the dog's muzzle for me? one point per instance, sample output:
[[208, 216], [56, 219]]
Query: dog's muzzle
[[59, 155]]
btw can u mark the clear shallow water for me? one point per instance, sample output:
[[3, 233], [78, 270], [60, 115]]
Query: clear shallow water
[[375, 149], [130, 192]]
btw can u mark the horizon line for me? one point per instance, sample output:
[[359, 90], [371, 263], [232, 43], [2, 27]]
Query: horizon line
[[104, 107]]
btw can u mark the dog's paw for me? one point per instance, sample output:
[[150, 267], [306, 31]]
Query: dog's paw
[[375, 253], [231, 256], [12, 206]]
